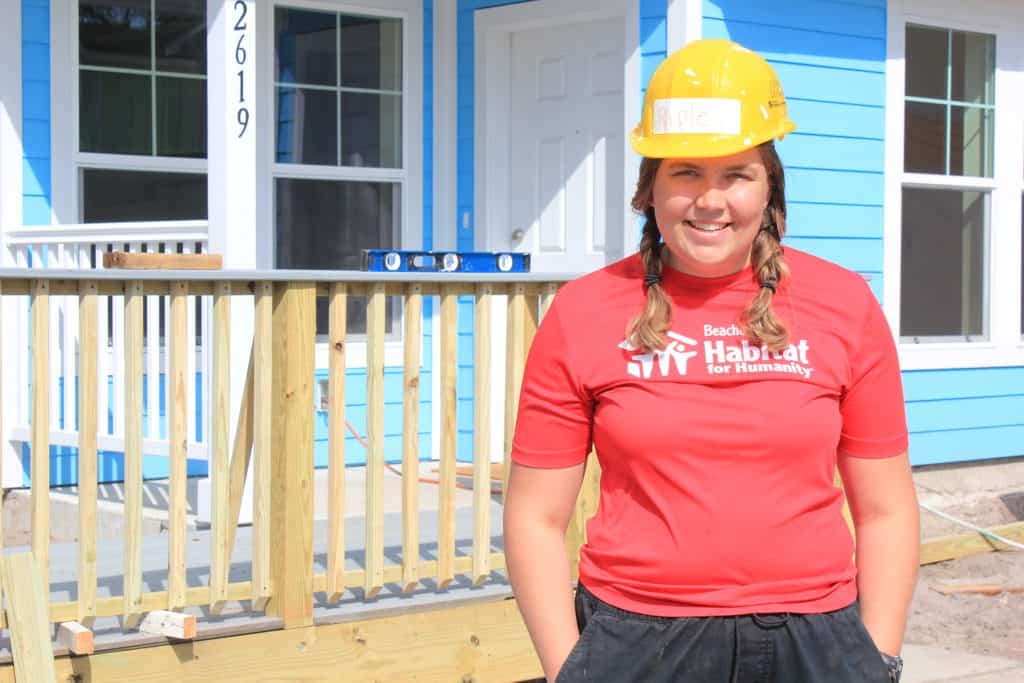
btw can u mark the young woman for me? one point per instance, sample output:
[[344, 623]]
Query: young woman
[[721, 380]]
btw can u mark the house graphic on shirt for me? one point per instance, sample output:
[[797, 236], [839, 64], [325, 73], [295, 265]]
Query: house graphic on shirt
[[676, 354]]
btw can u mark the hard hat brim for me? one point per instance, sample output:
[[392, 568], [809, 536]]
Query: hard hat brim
[[701, 145]]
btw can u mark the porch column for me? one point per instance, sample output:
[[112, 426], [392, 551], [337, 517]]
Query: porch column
[[235, 123]]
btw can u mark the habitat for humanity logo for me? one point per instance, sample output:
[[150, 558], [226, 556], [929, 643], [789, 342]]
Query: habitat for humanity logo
[[730, 354], [676, 353]]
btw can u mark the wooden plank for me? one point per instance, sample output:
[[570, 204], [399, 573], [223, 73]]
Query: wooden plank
[[133, 302], [962, 545], [375, 320], [476, 642], [75, 637], [220, 434], [152, 342], [262, 407], [241, 455], [515, 364], [26, 595], [292, 453], [482, 433], [449, 433], [547, 297], [40, 466], [337, 331], [196, 596], [425, 568], [169, 624], [88, 355], [411, 437], [153, 261], [179, 347]]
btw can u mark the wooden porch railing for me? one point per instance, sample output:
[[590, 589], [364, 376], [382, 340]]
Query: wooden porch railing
[[273, 438]]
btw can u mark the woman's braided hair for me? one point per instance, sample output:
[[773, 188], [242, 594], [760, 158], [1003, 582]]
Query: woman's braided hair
[[647, 330]]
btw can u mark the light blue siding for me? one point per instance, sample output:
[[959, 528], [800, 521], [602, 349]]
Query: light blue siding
[[35, 93], [961, 415], [830, 57]]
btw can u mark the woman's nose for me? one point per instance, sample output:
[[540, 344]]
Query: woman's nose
[[712, 198]]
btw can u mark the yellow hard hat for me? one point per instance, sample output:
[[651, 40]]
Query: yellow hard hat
[[711, 98]]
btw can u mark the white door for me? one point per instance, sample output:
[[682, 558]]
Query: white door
[[564, 198]]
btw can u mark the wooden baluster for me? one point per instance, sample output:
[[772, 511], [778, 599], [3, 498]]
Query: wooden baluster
[[449, 434], [152, 361], [338, 328], [220, 435], [177, 437], [375, 320], [411, 437], [516, 347], [40, 467], [262, 410], [132, 411], [87, 449], [482, 432], [292, 453]]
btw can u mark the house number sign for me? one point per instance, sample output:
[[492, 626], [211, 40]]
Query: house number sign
[[241, 39]]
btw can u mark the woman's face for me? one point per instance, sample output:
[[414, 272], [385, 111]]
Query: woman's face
[[710, 210]]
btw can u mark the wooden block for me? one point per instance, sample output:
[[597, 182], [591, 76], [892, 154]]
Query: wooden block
[[27, 618], [124, 260], [950, 588], [962, 545], [169, 624], [75, 637]]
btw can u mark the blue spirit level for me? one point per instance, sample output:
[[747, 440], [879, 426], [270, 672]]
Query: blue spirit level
[[397, 261]]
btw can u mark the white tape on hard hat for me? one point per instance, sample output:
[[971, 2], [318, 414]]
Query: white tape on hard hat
[[714, 115]]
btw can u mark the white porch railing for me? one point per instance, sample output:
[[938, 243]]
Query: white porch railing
[[81, 247]]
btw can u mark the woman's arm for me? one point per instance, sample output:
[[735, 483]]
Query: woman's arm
[[883, 504], [538, 507]]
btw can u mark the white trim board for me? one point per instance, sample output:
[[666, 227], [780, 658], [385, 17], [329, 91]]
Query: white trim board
[[685, 20], [1005, 19], [11, 213]]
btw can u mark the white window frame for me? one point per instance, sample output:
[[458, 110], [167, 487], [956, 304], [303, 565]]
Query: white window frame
[[1002, 303], [67, 160], [409, 176]]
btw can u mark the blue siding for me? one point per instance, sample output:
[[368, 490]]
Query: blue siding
[[831, 59], [35, 83], [968, 414], [830, 55]]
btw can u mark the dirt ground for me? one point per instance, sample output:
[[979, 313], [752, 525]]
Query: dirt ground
[[980, 624]]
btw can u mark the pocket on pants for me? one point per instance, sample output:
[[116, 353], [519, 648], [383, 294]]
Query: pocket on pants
[[577, 654], [871, 657]]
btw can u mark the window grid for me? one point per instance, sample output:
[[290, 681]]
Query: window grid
[[153, 73], [957, 185], [948, 103], [337, 89]]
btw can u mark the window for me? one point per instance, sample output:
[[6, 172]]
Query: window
[[339, 172], [954, 278], [142, 110], [948, 132]]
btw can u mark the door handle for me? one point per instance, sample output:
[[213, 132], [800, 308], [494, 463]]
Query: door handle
[[518, 235]]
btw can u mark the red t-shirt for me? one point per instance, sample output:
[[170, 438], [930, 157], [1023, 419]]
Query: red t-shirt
[[717, 457]]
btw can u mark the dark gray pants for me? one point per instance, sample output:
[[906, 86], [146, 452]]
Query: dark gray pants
[[620, 646]]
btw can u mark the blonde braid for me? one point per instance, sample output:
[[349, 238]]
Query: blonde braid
[[761, 323], [647, 331]]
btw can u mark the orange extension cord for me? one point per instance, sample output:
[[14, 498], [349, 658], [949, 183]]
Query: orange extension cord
[[495, 490]]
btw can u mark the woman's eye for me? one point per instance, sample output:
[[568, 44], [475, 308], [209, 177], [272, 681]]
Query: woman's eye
[[738, 176], [686, 173]]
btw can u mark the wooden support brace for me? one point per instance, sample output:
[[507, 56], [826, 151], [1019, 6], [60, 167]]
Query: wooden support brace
[[27, 619], [75, 637], [121, 259], [169, 624]]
